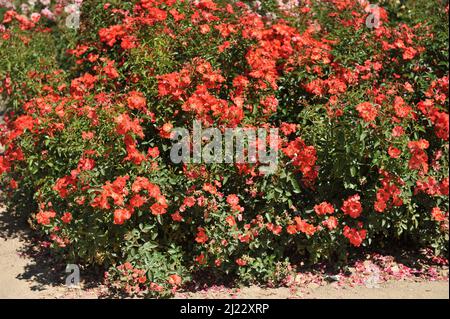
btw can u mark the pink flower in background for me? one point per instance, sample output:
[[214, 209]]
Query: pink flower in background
[[48, 14], [6, 4], [35, 17], [287, 4]]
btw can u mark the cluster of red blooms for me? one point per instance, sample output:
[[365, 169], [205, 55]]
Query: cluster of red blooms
[[389, 190], [174, 84], [352, 206], [233, 201], [439, 118], [355, 236], [432, 187], [44, 217], [115, 190], [118, 191], [367, 111], [24, 22], [82, 85], [138, 283], [419, 158], [324, 208], [438, 215], [301, 226], [304, 158], [200, 90]]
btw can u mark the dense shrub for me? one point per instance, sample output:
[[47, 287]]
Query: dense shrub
[[363, 145]]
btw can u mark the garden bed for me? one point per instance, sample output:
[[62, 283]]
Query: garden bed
[[27, 271], [158, 142]]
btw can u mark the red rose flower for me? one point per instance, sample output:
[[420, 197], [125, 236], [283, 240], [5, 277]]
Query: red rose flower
[[394, 152], [367, 111], [66, 218], [352, 206], [324, 208], [201, 236], [356, 237]]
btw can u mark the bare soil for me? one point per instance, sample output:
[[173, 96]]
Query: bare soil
[[389, 290]]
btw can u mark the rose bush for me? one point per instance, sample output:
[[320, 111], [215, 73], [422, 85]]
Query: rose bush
[[363, 146]]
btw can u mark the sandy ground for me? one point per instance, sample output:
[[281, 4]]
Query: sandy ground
[[18, 275], [26, 273], [389, 290]]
